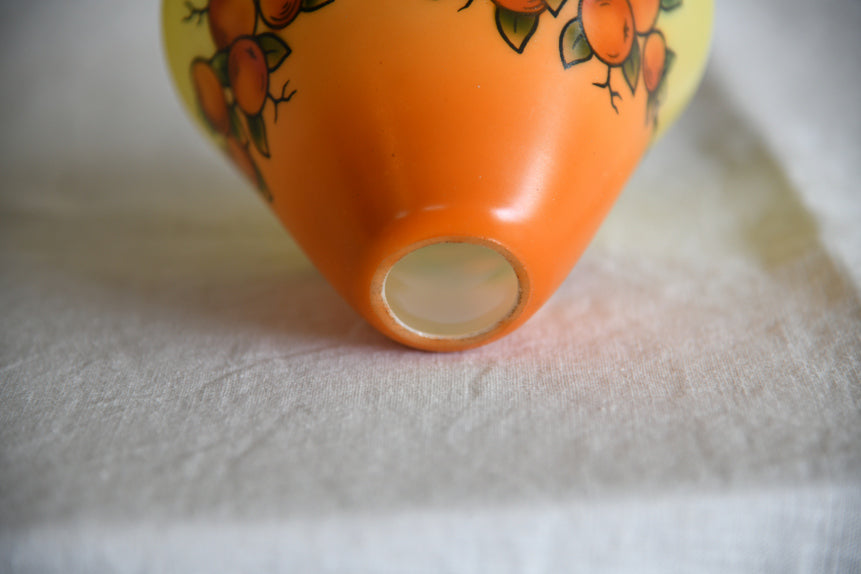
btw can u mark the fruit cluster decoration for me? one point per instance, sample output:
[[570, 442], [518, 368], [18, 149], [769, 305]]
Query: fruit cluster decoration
[[619, 33], [233, 85]]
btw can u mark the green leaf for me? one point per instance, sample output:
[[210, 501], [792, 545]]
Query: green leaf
[[661, 89], [257, 130], [652, 110], [668, 5], [660, 95], [515, 27], [311, 5], [573, 46], [262, 187], [555, 6], [631, 66], [274, 49], [219, 66], [236, 129], [669, 60]]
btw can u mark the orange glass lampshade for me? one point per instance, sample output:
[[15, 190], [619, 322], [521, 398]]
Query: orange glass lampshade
[[443, 163]]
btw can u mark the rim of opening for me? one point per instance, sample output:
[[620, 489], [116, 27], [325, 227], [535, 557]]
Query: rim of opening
[[497, 278]]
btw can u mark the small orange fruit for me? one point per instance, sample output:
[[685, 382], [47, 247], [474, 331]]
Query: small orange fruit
[[654, 60], [230, 19], [523, 6], [278, 13], [210, 95], [609, 29], [249, 76], [645, 14]]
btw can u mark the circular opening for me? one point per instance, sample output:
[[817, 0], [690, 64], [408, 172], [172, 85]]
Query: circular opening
[[451, 290]]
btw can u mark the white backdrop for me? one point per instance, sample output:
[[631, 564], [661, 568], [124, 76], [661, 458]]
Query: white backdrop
[[181, 392]]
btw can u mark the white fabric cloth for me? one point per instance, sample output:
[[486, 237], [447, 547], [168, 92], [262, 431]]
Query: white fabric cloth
[[181, 392]]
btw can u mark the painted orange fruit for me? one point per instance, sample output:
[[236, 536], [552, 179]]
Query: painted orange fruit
[[654, 60], [210, 95], [278, 13], [523, 6], [230, 19], [645, 14], [609, 29], [249, 76]]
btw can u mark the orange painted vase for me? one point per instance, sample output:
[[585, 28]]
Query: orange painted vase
[[443, 163]]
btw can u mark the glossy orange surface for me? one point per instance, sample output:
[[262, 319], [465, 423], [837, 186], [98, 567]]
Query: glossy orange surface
[[400, 123]]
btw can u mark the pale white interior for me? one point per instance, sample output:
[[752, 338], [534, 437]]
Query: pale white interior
[[451, 290]]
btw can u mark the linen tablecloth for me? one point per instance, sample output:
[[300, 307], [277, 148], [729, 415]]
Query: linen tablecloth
[[180, 391]]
